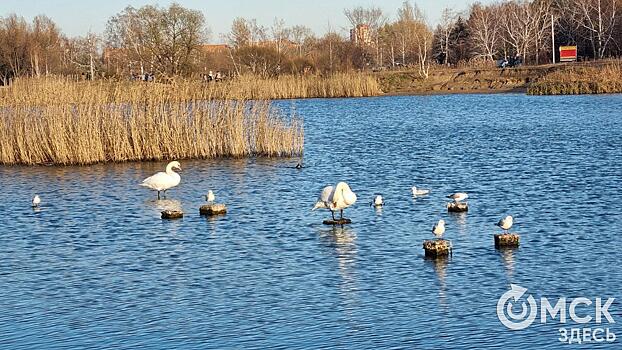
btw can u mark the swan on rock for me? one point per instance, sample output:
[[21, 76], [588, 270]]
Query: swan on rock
[[335, 198], [163, 181]]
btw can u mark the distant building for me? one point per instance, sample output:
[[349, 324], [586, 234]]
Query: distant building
[[360, 35]]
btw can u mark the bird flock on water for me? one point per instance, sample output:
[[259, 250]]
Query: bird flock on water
[[333, 198]]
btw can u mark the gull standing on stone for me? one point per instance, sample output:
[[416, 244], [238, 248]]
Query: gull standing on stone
[[439, 229], [210, 197], [506, 223], [458, 197]]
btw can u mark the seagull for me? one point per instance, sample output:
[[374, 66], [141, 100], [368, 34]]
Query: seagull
[[335, 198], [419, 191], [378, 201], [163, 181], [458, 197], [36, 201], [439, 228], [506, 223], [210, 197]]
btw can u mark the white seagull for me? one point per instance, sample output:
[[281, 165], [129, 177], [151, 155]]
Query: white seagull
[[419, 191], [458, 197], [335, 198], [439, 228], [378, 201], [210, 197], [163, 181], [36, 201], [506, 223]]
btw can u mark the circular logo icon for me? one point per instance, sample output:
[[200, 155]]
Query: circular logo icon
[[505, 309]]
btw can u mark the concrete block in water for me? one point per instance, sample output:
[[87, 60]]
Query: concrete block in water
[[213, 209], [507, 240], [459, 207], [172, 214], [437, 247], [343, 221]]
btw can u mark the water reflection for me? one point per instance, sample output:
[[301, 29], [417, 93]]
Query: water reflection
[[378, 210], [165, 204], [440, 268], [341, 242], [460, 221], [508, 259]]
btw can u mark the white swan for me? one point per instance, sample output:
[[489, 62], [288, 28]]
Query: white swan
[[458, 197], [506, 223], [439, 228], [336, 198], [36, 200], [378, 201], [163, 181], [210, 197], [324, 198], [419, 191]]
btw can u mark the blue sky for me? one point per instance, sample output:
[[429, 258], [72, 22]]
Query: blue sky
[[77, 17]]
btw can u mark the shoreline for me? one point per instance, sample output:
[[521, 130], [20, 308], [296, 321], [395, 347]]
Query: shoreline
[[458, 92]]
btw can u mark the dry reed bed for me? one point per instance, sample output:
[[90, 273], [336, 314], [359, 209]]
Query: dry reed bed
[[580, 80], [54, 121], [290, 86]]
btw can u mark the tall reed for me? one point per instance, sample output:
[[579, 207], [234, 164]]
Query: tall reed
[[55, 121], [290, 86]]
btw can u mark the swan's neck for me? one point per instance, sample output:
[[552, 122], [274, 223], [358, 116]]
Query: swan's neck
[[169, 170]]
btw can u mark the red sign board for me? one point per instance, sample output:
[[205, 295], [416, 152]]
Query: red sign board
[[567, 53]]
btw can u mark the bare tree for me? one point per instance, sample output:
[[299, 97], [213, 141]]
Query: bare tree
[[83, 53], [280, 33], [598, 20], [299, 35], [485, 30], [517, 20], [446, 26], [165, 38], [240, 35]]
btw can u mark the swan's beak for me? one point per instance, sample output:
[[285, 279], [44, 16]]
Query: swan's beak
[[178, 168]]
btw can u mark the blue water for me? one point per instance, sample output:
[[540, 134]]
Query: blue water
[[97, 268]]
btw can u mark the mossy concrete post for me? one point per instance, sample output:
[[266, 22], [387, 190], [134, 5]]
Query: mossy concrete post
[[213, 209], [343, 221], [172, 214], [457, 207], [435, 248], [507, 240]]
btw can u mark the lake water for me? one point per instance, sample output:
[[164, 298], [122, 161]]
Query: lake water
[[96, 267]]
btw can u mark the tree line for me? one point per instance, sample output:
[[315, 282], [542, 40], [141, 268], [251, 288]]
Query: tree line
[[171, 41]]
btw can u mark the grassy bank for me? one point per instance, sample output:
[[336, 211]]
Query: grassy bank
[[575, 80], [567, 78], [55, 121], [457, 80]]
